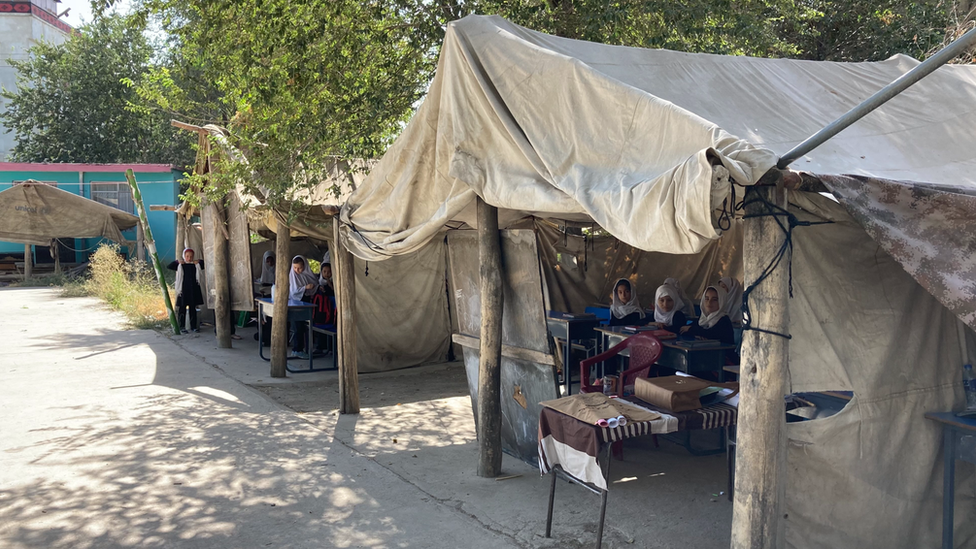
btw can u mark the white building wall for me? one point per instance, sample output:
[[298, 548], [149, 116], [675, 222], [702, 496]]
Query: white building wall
[[18, 32]]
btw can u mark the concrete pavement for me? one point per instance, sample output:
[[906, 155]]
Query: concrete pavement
[[121, 438]]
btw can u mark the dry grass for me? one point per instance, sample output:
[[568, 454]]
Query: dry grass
[[129, 286]]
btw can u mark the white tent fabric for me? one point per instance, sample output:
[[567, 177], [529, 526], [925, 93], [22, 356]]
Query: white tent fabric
[[576, 130], [503, 120]]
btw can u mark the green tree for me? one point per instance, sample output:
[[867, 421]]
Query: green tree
[[849, 30], [72, 103], [298, 84]]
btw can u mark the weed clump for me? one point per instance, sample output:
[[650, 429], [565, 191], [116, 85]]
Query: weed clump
[[128, 286]]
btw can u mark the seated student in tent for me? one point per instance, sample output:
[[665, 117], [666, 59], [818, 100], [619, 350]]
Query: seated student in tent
[[714, 321], [267, 270], [687, 306], [189, 292], [302, 284], [625, 309], [667, 309], [325, 276], [733, 303]]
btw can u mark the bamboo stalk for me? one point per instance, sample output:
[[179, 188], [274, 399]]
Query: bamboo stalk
[[151, 246]]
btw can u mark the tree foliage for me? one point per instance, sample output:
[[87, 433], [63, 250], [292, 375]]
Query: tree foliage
[[72, 103], [301, 83]]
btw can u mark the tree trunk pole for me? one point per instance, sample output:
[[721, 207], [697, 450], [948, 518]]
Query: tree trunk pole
[[279, 326], [180, 234], [489, 367], [56, 253], [28, 262], [140, 243], [151, 245], [221, 284], [758, 520], [345, 289]]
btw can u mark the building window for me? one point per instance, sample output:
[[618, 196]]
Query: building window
[[34, 181], [116, 195]]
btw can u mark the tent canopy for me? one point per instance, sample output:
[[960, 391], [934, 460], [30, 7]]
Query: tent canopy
[[34, 213], [627, 137]]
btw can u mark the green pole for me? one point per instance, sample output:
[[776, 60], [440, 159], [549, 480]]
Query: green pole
[[151, 246]]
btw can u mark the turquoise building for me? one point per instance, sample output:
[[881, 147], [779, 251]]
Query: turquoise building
[[104, 183]]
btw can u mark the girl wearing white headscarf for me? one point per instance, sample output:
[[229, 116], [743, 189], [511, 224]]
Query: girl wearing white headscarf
[[687, 306], [189, 292], [733, 303], [667, 309], [301, 281], [325, 275], [625, 309], [714, 322], [268, 268]]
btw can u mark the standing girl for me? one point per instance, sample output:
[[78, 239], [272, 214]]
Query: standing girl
[[188, 289]]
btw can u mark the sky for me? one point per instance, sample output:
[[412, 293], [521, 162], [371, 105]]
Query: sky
[[81, 11]]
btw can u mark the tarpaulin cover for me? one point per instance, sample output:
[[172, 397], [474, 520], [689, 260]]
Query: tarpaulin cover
[[871, 475], [627, 138], [575, 130], [542, 125], [37, 213]]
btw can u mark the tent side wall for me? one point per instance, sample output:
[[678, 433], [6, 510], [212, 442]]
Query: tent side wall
[[871, 475]]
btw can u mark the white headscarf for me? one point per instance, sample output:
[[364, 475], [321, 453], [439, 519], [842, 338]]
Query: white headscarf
[[709, 320], [687, 306], [733, 302], [267, 273], [297, 282], [620, 309], [326, 260], [179, 274], [666, 317]]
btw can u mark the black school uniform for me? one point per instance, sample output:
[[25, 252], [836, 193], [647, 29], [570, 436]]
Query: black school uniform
[[633, 319], [677, 322], [190, 295], [722, 331]]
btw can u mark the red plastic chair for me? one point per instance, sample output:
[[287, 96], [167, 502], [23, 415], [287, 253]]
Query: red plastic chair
[[645, 349]]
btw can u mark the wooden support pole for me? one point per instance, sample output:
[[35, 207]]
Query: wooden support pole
[[140, 243], [151, 245], [180, 234], [758, 520], [28, 262], [221, 288], [345, 289], [56, 254], [279, 327], [489, 368]]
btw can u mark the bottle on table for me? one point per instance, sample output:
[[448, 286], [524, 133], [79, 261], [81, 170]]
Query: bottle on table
[[969, 385]]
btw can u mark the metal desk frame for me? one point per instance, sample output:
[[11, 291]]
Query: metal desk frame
[[956, 446], [557, 471], [569, 330], [298, 311]]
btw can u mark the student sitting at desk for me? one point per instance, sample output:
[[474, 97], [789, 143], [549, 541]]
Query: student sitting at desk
[[302, 284], [714, 322], [667, 310], [733, 302], [625, 309], [687, 307]]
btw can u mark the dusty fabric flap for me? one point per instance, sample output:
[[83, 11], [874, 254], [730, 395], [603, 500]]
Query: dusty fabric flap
[[592, 407]]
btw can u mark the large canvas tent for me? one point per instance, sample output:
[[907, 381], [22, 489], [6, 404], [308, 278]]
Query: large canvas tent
[[34, 213], [631, 140]]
